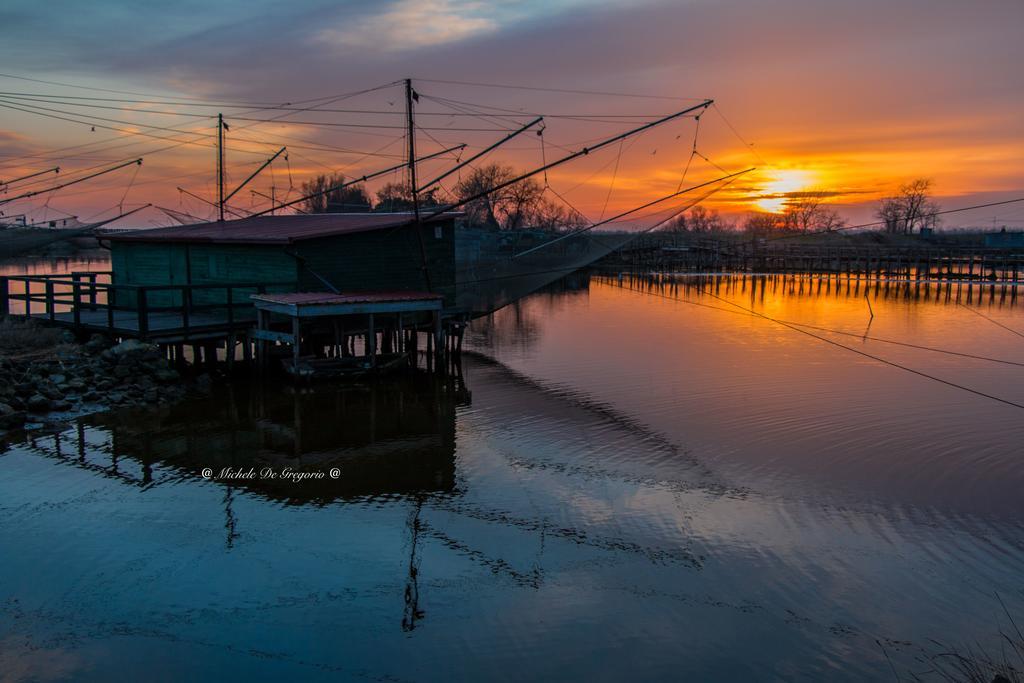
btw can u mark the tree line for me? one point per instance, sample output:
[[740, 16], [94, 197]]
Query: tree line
[[519, 205], [527, 204], [803, 212], [910, 209]]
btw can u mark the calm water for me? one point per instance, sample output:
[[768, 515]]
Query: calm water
[[621, 486]]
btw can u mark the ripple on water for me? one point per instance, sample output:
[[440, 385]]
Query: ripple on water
[[778, 508]]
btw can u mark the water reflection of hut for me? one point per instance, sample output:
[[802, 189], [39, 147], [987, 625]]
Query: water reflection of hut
[[395, 437]]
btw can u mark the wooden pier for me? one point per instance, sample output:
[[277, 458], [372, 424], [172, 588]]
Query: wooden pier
[[254, 320], [922, 261], [86, 302]]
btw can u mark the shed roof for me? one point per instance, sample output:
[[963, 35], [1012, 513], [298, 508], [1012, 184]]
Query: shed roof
[[275, 229]]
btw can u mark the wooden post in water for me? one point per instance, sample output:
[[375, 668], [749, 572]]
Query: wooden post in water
[[229, 351], [76, 295], [92, 291], [210, 355], [261, 344], [371, 340], [296, 342], [438, 335], [50, 307]]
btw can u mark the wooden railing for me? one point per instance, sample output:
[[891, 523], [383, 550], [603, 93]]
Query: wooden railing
[[83, 300]]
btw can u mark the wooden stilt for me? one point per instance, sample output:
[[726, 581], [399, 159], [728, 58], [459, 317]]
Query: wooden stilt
[[261, 344], [247, 351], [229, 352], [371, 340], [438, 335]]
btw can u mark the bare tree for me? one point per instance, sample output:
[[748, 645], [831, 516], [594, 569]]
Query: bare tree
[[485, 210], [394, 197], [705, 220], [325, 199], [698, 219], [910, 209], [522, 204], [807, 212], [890, 213], [397, 197], [551, 216], [677, 224], [760, 224]]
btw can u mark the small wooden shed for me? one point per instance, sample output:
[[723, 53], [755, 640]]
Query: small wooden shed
[[351, 252]]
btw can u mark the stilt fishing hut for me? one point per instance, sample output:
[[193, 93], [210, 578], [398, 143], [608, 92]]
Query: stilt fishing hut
[[337, 253], [207, 281], [225, 268]]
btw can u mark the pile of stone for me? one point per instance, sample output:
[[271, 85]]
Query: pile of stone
[[77, 379]]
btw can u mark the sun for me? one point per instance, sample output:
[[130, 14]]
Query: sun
[[773, 192]]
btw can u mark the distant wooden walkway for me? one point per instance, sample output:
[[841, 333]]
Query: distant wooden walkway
[[924, 261]]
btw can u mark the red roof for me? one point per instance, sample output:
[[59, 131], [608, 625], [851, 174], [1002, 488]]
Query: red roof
[[317, 298], [274, 229]]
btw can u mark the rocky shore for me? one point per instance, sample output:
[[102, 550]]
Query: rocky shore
[[46, 376]]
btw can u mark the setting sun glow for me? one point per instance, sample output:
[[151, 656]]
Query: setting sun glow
[[773, 195]]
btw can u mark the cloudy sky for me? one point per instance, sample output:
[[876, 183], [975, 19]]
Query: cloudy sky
[[850, 98]]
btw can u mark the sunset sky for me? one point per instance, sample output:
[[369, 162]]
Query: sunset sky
[[849, 98]]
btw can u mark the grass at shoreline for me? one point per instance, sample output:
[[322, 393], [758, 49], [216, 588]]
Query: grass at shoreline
[[28, 339]]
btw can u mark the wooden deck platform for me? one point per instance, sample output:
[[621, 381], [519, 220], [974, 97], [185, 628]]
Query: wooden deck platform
[[164, 314], [321, 304], [260, 317], [161, 327], [294, 310]]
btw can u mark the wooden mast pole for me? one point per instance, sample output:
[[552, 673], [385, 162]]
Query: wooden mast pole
[[220, 167], [411, 95]]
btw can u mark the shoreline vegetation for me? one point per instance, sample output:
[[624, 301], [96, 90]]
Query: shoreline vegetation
[[973, 663]]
